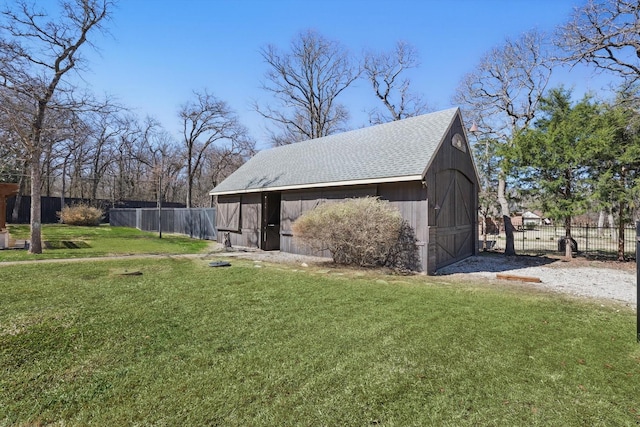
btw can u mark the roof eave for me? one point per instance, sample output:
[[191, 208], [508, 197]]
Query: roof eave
[[384, 180]]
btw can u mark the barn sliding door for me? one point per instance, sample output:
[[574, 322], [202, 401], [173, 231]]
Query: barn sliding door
[[455, 214]]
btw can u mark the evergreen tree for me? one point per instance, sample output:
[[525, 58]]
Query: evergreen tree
[[616, 163], [552, 158]]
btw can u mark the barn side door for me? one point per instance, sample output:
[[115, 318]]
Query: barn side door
[[454, 217], [271, 221]]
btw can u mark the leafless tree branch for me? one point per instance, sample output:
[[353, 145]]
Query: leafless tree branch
[[385, 72], [606, 34], [306, 82]]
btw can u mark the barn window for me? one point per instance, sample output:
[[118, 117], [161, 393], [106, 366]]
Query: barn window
[[458, 142], [228, 214]]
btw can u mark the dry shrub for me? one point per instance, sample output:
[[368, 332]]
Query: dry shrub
[[403, 256], [81, 214], [365, 232]]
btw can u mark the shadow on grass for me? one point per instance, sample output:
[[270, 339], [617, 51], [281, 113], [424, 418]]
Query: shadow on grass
[[65, 244]]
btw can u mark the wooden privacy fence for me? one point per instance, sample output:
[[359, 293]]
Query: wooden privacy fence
[[50, 206], [197, 223]]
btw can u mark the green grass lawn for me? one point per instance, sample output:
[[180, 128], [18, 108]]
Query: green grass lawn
[[65, 241], [186, 344]]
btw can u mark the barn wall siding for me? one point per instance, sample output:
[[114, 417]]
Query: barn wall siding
[[297, 202], [410, 199]]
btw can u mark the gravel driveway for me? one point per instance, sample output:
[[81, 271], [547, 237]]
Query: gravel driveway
[[594, 279]]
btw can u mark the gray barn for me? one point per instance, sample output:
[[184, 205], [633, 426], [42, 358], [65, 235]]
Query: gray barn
[[421, 165]]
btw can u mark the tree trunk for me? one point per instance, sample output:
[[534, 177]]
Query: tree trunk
[[484, 233], [36, 191], [64, 183], [94, 190], [189, 186], [510, 248], [47, 182], [568, 246], [621, 256], [15, 214], [621, 216], [612, 230], [601, 222], [190, 174]]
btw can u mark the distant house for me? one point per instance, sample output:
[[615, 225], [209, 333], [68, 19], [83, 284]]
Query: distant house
[[528, 219], [532, 218], [421, 165]]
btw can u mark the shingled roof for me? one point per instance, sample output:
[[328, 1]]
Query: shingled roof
[[390, 152]]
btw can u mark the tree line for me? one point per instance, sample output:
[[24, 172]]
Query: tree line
[[62, 140]]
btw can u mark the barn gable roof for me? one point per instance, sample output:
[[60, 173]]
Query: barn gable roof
[[390, 152]]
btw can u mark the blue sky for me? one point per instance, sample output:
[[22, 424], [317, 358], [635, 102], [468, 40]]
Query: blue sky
[[159, 51]]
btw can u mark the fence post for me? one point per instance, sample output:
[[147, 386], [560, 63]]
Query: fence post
[[637, 280], [586, 240]]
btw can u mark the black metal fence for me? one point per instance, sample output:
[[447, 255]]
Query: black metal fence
[[591, 241], [198, 223]]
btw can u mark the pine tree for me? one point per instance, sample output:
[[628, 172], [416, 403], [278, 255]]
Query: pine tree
[[552, 158]]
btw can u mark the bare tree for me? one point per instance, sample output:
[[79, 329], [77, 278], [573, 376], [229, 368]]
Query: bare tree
[[57, 134], [209, 123], [78, 159], [68, 149], [307, 81], [105, 128], [386, 73], [127, 168], [168, 167], [606, 34], [502, 95], [36, 52]]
